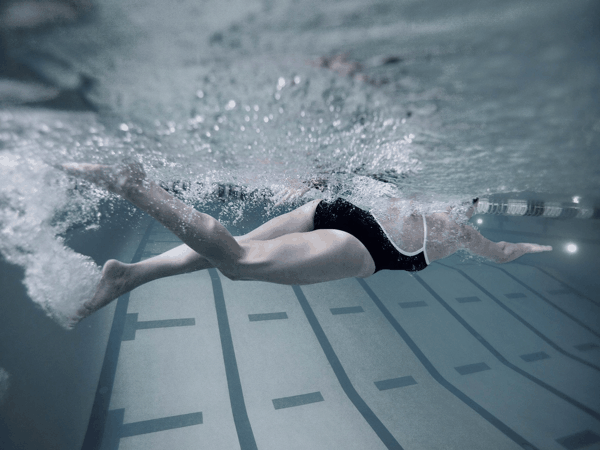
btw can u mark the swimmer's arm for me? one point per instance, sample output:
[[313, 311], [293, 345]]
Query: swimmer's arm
[[499, 252]]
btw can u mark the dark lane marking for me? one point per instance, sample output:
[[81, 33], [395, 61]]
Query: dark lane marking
[[167, 323], [297, 400], [162, 424], [526, 286], [132, 325], [502, 359], [267, 316], [467, 299], [99, 413], [521, 320], [493, 420], [537, 356], [347, 310], [567, 287], [579, 440], [472, 368], [236, 395], [586, 347], [378, 427], [560, 291], [412, 304], [116, 429], [515, 295], [394, 383]]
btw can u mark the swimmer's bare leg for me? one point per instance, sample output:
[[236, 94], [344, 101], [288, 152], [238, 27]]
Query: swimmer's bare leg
[[119, 278], [201, 232], [129, 182]]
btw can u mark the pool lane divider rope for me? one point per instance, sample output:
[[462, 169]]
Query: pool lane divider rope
[[234, 384], [99, 414], [536, 208], [378, 427], [493, 420]]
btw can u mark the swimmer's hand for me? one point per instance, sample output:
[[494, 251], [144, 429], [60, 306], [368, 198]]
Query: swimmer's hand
[[297, 191], [510, 251]]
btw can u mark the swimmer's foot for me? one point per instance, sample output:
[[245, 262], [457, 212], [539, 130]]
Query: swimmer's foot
[[116, 280], [120, 179]]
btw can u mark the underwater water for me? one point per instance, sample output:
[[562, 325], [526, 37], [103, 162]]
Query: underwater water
[[228, 104]]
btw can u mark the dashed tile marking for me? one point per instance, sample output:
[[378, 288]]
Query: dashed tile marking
[[347, 310], [579, 440], [297, 400], [267, 316], [515, 295], [405, 305], [586, 347], [394, 383], [115, 429], [560, 291], [468, 299], [531, 357], [472, 368], [132, 325], [162, 424]]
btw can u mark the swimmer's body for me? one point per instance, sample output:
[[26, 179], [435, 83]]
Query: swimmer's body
[[285, 250]]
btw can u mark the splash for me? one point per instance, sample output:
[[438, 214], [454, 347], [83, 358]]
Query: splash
[[56, 278]]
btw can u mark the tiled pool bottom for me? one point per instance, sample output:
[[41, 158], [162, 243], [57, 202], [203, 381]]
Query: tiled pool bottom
[[459, 356]]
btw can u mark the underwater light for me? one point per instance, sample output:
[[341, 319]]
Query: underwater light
[[479, 221], [571, 248], [576, 199]]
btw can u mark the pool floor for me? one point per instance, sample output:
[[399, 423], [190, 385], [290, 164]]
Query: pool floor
[[459, 356]]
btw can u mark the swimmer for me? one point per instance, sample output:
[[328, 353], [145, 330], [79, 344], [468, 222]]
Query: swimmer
[[319, 241]]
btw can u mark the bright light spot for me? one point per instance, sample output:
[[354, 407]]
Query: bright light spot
[[280, 83], [297, 79], [200, 93], [575, 199], [123, 127], [571, 248], [479, 221], [230, 105]]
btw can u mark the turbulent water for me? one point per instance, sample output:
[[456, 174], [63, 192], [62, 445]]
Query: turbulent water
[[443, 100]]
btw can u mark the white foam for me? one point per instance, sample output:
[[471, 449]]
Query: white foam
[[56, 278]]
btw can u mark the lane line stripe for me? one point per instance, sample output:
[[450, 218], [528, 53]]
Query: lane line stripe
[[568, 287], [493, 420], [95, 430], [378, 427], [570, 316], [236, 395], [522, 321], [499, 356]]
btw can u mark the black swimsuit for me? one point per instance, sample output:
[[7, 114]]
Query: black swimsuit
[[344, 216]]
